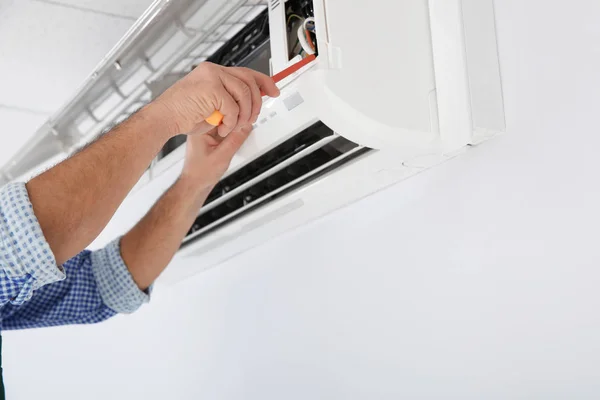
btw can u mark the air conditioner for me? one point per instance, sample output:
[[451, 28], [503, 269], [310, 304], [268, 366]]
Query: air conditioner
[[398, 86]]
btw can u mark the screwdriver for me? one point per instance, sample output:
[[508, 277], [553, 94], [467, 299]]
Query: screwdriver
[[216, 118]]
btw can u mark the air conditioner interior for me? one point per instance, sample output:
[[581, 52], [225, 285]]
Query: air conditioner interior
[[297, 13], [250, 48]]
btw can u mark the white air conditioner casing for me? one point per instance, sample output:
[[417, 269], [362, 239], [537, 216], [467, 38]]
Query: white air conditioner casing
[[417, 81]]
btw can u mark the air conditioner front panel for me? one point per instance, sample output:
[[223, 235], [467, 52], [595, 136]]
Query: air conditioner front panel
[[367, 174], [375, 82]]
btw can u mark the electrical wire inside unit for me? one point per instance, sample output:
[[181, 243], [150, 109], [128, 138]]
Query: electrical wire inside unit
[[301, 29]]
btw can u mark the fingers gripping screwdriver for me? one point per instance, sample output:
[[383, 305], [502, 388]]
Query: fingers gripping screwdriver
[[216, 118]]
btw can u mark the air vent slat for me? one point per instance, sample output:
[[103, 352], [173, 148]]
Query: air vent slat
[[303, 152], [296, 173], [270, 159]]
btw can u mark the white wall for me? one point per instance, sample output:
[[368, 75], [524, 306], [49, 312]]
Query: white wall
[[478, 279]]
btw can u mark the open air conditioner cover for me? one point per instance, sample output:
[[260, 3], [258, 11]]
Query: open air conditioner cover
[[375, 80]]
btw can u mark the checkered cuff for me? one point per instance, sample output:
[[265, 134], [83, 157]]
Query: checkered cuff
[[24, 251], [115, 284]]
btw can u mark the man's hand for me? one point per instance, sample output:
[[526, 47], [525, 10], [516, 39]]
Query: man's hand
[[233, 91], [74, 201], [208, 155]]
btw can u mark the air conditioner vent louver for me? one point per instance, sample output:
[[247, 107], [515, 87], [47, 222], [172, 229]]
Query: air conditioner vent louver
[[308, 155], [270, 159]]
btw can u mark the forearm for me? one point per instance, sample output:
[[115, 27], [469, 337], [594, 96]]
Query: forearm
[[75, 200], [149, 247]]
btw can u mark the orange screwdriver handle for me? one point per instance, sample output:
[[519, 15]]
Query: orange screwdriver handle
[[216, 118]]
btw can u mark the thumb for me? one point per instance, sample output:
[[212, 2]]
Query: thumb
[[232, 143], [202, 128]]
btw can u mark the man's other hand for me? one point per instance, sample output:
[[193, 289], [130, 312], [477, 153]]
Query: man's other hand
[[208, 155], [233, 91]]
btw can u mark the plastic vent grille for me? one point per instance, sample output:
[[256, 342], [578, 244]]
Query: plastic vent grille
[[301, 159]]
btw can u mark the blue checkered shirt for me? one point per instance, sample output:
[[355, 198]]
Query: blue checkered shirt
[[36, 292]]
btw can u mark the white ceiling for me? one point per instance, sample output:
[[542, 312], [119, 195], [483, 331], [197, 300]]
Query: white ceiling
[[127, 8], [47, 49]]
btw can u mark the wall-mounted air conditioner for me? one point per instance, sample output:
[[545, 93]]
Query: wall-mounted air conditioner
[[398, 86]]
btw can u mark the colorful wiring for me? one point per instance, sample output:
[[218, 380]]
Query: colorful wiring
[[303, 33]]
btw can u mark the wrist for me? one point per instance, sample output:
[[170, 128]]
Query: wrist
[[195, 184], [159, 120]]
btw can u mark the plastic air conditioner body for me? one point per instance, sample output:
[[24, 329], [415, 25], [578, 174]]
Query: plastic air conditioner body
[[409, 83]]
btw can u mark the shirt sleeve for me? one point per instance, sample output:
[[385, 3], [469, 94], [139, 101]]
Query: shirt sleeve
[[35, 292], [74, 300], [98, 285], [26, 261], [115, 283]]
